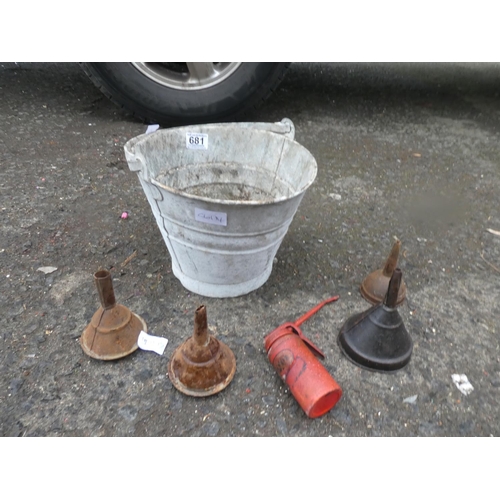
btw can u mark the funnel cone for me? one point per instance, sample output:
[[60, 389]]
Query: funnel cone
[[377, 339], [374, 286], [113, 330], [202, 365]]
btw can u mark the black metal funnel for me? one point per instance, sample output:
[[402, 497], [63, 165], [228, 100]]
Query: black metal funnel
[[377, 339]]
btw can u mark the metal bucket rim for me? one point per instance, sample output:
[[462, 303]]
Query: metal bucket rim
[[138, 140]]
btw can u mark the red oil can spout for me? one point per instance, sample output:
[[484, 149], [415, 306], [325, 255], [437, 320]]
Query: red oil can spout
[[316, 350], [289, 327], [314, 310]]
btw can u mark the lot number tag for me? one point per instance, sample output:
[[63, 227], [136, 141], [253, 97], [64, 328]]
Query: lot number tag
[[196, 141]]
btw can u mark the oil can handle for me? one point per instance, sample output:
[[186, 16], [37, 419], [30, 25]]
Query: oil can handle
[[313, 347]]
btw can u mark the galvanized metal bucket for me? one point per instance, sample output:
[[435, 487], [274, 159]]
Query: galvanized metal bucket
[[223, 196]]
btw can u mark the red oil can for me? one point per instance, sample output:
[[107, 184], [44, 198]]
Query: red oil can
[[293, 357]]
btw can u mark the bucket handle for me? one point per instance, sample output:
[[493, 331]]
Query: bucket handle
[[284, 127], [135, 160]]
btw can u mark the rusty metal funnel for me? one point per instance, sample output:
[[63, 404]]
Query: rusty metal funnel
[[377, 338], [202, 365], [113, 330], [374, 286]]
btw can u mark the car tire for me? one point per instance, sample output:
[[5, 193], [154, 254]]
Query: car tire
[[186, 93]]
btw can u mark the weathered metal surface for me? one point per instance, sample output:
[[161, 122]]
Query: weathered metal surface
[[374, 286], [377, 339], [202, 365], [293, 357], [113, 330], [223, 208]]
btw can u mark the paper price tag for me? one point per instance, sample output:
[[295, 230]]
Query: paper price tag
[[151, 343], [196, 141], [209, 217]]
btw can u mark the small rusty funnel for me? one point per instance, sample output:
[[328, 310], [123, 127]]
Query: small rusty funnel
[[374, 287], [202, 365], [113, 330], [377, 338]]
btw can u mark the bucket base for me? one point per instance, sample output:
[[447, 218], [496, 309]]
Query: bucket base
[[221, 291]]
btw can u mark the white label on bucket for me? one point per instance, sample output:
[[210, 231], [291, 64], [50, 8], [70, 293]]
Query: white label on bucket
[[217, 218], [196, 141], [148, 342]]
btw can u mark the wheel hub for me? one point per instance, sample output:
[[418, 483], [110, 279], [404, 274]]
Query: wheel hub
[[187, 76]]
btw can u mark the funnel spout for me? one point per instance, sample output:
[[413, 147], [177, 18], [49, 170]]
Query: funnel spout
[[391, 299], [102, 280], [200, 333], [374, 286], [392, 260]]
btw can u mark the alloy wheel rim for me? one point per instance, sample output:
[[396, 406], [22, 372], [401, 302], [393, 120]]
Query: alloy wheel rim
[[187, 76]]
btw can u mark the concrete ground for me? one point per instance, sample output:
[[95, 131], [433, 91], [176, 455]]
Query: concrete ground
[[404, 150]]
